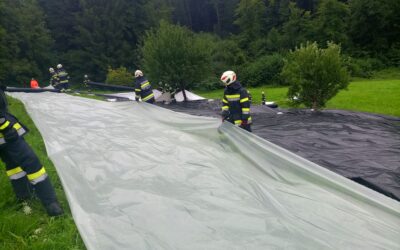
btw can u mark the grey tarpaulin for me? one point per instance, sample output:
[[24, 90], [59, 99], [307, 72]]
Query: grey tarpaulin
[[141, 177]]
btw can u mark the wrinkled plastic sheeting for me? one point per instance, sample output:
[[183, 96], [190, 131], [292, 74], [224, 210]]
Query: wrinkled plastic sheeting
[[141, 177]]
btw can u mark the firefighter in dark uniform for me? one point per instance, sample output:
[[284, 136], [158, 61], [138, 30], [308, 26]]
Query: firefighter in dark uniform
[[62, 78], [236, 103], [143, 89], [23, 167], [53, 77]]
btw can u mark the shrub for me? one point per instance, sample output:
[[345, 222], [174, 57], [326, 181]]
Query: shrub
[[265, 70], [119, 76], [363, 67], [315, 75]]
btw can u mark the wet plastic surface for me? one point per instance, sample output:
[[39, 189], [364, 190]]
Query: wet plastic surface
[[141, 177], [360, 146]]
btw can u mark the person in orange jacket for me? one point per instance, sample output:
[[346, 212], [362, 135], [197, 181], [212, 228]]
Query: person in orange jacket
[[34, 84]]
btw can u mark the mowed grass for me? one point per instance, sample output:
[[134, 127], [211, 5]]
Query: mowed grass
[[34, 231], [374, 96]]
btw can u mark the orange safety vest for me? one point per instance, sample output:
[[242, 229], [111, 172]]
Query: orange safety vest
[[34, 84]]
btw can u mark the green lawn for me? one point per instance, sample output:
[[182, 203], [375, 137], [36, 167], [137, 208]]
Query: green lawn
[[375, 96], [35, 231]]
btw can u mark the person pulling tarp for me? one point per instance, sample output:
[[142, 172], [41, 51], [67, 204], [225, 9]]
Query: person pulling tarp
[[53, 77], [143, 89], [24, 169], [236, 103], [62, 78]]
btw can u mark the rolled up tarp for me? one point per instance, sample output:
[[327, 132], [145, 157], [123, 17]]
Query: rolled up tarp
[[109, 86], [29, 90]]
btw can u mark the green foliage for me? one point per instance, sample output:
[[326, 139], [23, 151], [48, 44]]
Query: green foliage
[[264, 70], [225, 55], [363, 67], [315, 75], [250, 19], [374, 24], [330, 23], [119, 76], [297, 29], [174, 56], [24, 42]]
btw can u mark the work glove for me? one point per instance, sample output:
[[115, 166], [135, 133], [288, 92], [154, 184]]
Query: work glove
[[137, 99], [243, 124], [10, 134]]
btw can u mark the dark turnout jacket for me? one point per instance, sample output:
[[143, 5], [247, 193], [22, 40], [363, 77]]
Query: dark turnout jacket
[[236, 104], [144, 90], [7, 121]]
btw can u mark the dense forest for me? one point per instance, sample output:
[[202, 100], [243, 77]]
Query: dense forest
[[250, 36]]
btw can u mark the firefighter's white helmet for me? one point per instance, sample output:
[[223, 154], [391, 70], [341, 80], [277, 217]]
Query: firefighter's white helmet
[[228, 77], [59, 66], [138, 73], [51, 70]]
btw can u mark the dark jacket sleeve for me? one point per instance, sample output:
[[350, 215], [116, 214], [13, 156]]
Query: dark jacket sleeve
[[245, 104], [138, 88], [4, 123]]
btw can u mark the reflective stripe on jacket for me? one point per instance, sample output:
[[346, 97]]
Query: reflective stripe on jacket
[[18, 127], [143, 89], [236, 101], [62, 76]]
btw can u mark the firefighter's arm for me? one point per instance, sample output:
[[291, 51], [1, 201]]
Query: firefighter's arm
[[138, 89], [225, 108], [8, 130], [245, 105]]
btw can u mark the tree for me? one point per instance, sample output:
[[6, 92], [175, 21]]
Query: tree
[[108, 32], [251, 21], [297, 29], [315, 75], [24, 42], [374, 24], [174, 56], [331, 22]]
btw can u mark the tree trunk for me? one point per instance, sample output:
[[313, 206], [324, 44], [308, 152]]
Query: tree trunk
[[183, 92]]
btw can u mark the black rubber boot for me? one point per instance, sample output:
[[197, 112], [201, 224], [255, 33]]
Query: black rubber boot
[[46, 194], [23, 189]]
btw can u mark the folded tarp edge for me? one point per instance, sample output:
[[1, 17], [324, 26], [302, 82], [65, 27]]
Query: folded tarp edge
[[256, 143]]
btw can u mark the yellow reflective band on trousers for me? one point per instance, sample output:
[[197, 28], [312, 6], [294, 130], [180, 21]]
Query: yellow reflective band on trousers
[[238, 122], [246, 111], [14, 171], [224, 101], [148, 97], [17, 126], [138, 90], [5, 125], [38, 176], [225, 108], [244, 100]]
